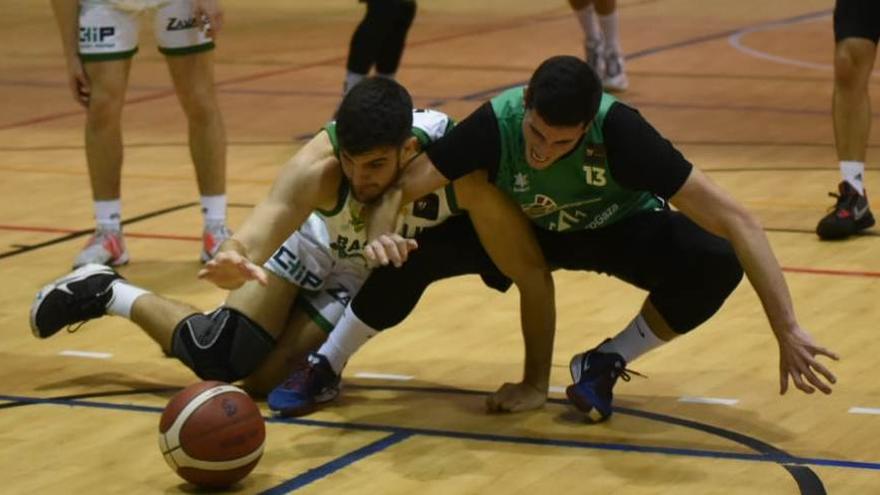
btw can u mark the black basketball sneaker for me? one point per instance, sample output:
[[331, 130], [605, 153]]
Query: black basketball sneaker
[[848, 216], [74, 298]]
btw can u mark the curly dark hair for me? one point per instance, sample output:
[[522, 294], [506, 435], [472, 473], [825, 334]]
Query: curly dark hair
[[376, 112], [565, 91]]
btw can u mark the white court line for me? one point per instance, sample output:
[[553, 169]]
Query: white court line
[[557, 388], [735, 40], [86, 354], [709, 400], [864, 410], [383, 376]]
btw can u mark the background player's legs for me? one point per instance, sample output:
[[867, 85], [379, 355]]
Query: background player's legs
[[193, 76], [593, 43], [103, 136], [301, 337], [851, 105], [391, 50], [369, 39], [856, 32]]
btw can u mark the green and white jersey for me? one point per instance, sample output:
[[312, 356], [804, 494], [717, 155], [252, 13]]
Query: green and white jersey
[[577, 192], [345, 225]]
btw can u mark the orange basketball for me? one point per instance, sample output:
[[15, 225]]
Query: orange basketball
[[212, 434]]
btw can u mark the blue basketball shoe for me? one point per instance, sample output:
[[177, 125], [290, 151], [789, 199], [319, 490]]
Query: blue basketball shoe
[[594, 374], [311, 382]]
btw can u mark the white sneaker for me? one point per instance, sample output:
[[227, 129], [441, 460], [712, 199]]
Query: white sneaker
[[614, 78], [213, 235], [105, 247]]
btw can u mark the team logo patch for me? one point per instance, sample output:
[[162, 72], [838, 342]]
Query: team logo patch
[[520, 182], [427, 207], [541, 206]]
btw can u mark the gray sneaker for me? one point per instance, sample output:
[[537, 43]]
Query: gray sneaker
[[593, 50], [213, 235], [105, 247], [615, 75]]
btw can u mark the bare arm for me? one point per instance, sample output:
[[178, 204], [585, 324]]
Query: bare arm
[[419, 178], [308, 180], [67, 18], [716, 211], [507, 236]]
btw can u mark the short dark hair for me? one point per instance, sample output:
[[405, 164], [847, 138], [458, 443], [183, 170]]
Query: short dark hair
[[376, 112], [565, 91]]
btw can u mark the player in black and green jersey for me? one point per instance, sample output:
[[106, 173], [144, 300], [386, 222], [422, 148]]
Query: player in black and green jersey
[[595, 178]]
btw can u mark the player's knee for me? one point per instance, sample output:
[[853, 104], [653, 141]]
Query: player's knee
[[852, 63], [224, 345], [105, 109], [200, 105]]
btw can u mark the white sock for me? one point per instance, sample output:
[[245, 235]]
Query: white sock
[[214, 209], [124, 296], [610, 31], [108, 214], [590, 25], [391, 76], [854, 173], [634, 340], [352, 78], [346, 338]]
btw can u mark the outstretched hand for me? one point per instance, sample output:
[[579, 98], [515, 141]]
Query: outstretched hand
[[797, 359], [230, 270], [389, 248], [515, 397]]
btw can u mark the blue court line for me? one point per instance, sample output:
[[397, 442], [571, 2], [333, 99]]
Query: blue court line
[[772, 457], [331, 467]]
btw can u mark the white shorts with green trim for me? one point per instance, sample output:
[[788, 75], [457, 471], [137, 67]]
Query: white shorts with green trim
[[328, 282], [108, 29]]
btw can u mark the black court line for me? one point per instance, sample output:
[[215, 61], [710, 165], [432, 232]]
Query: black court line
[[81, 233]]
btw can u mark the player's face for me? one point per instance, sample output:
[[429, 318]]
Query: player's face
[[545, 143], [372, 172]]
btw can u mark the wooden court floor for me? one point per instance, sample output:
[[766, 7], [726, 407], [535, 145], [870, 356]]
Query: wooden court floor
[[742, 88]]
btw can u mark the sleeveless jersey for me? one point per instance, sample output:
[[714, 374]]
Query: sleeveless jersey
[[576, 192]]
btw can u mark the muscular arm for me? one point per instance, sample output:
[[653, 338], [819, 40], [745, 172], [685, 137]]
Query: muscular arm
[[508, 238], [714, 210], [307, 181]]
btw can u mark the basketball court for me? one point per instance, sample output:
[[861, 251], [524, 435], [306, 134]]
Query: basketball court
[[742, 88]]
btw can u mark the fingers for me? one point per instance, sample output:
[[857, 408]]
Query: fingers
[[824, 352], [799, 383], [378, 251], [391, 250], [783, 378], [816, 365], [258, 274]]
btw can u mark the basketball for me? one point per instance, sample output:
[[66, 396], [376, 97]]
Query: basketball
[[212, 434]]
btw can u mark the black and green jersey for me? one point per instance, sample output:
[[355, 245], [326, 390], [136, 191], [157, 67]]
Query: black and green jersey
[[576, 192], [621, 167]]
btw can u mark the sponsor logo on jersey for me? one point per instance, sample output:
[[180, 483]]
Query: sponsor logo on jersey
[[340, 294], [348, 250], [175, 24], [520, 182], [356, 216], [595, 151], [541, 206]]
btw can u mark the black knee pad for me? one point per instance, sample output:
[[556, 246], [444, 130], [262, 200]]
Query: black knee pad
[[223, 345]]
